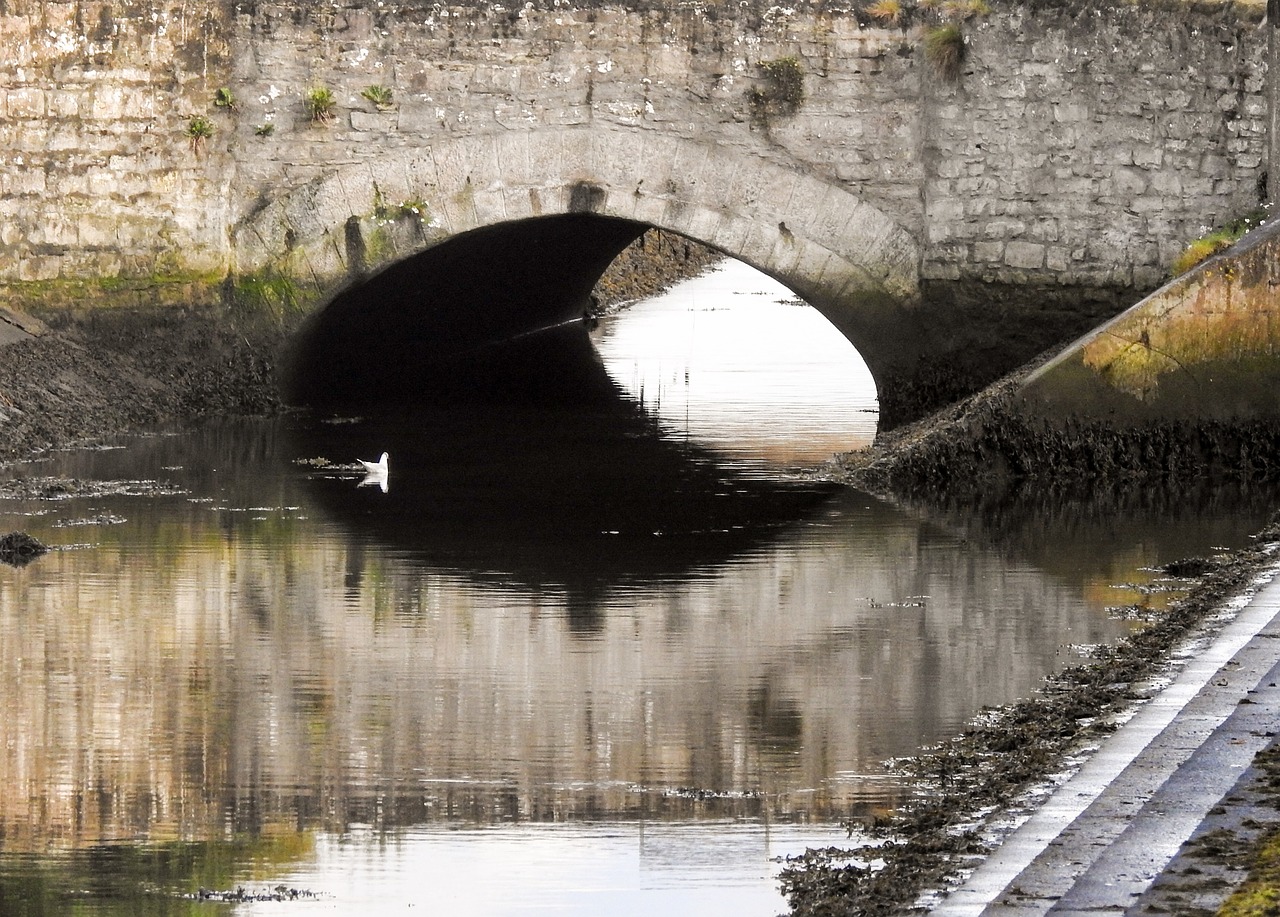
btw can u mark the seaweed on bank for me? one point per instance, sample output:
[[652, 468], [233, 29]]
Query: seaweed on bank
[[987, 442], [931, 839], [19, 549]]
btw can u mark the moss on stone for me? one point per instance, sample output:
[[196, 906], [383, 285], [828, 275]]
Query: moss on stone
[[783, 89], [266, 291], [1259, 896], [1217, 240], [86, 293]]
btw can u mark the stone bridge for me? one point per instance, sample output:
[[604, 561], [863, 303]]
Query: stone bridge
[[477, 167]]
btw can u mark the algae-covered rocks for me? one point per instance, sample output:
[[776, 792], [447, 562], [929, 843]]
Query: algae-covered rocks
[[19, 548]]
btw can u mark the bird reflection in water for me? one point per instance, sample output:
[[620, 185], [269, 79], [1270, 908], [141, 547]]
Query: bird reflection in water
[[376, 473]]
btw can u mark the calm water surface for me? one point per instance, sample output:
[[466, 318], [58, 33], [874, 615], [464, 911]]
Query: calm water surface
[[605, 659]]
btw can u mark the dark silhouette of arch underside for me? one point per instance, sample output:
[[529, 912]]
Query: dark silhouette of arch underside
[[489, 312]]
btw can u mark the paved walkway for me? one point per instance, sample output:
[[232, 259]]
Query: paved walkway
[[1102, 838]]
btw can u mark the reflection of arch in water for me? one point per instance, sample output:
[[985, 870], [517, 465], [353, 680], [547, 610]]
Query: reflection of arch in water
[[504, 194], [578, 498]]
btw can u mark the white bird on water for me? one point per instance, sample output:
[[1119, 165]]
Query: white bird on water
[[376, 473]]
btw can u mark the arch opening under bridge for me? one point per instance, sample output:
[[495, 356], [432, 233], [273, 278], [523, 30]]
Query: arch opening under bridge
[[431, 255]]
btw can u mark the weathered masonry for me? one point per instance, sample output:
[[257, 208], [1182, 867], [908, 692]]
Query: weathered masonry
[[950, 223]]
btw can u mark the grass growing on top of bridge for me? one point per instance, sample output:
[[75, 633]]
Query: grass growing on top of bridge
[[886, 11]]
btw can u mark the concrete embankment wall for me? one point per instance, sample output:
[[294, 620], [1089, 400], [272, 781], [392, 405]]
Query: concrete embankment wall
[[1205, 348]]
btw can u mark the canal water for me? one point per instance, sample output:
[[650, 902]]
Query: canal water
[[611, 658]]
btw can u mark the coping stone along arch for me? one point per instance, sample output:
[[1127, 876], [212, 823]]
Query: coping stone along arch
[[844, 256]]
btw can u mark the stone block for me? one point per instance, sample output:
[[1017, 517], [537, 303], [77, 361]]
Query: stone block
[[1167, 183], [41, 267], [1026, 255], [1003, 228], [384, 122], [106, 103], [934, 271], [1127, 183], [24, 103], [988, 252], [23, 181], [1149, 157], [102, 184], [946, 210], [1070, 111]]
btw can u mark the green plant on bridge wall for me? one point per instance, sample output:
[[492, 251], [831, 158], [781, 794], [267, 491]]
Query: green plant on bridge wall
[[417, 208], [943, 38], [380, 96], [199, 129], [411, 209], [222, 98], [782, 92], [320, 102]]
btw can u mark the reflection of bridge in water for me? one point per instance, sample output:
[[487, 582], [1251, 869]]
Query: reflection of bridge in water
[[291, 670]]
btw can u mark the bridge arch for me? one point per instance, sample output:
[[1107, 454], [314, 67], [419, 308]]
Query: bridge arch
[[345, 229]]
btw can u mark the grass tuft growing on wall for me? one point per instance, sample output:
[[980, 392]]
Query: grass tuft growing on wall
[[886, 11], [199, 129], [319, 104], [944, 50], [1217, 240]]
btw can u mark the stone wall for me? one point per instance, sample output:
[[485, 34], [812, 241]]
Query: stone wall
[[1090, 143], [101, 196], [1080, 145]]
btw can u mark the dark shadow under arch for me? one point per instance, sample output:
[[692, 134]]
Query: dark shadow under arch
[[417, 331]]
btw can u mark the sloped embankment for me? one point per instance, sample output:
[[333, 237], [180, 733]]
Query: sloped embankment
[[97, 374]]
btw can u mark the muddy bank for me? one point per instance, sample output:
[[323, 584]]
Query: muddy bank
[[99, 374], [988, 443], [104, 374]]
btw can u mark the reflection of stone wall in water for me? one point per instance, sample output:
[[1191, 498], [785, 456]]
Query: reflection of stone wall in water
[[284, 679]]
